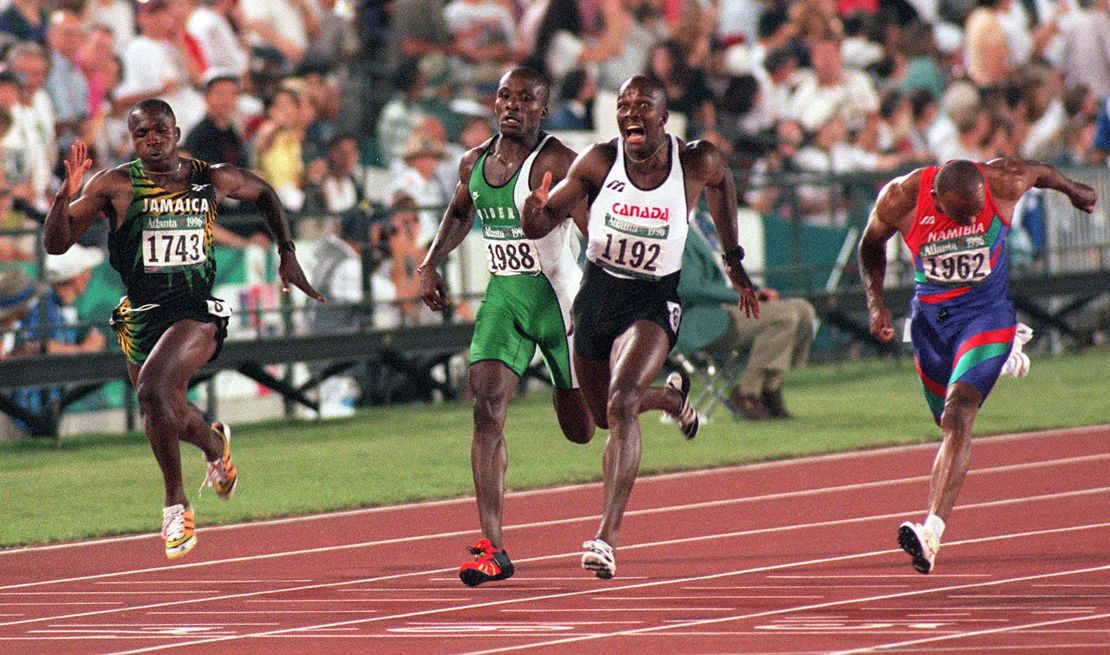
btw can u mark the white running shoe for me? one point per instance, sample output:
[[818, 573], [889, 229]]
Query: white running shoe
[[178, 530], [1017, 364], [599, 558], [921, 544], [687, 416]]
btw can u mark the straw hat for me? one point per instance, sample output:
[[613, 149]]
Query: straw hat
[[422, 146]]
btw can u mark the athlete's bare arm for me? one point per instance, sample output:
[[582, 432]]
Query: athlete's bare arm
[[558, 159], [458, 218], [233, 182], [545, 207], [703, 161], [1010, 178], [68, 219], [892, 213]]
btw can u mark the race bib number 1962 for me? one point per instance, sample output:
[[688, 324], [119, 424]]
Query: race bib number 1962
[[173, 242], [966, 260]]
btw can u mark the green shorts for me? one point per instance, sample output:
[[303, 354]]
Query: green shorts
[[518, 313], [138, 329]]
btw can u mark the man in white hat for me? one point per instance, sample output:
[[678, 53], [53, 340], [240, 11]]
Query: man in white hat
[[68, 275]]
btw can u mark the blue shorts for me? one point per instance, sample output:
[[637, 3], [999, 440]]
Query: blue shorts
[[960, 343]]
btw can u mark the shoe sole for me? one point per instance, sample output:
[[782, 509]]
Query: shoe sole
[[474, 577], [598, 566], [226, 434], [909, 542], [181, 549], [683, 388]]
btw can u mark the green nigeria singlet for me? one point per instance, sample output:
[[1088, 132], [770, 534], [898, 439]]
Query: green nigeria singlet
[[532, 281], [163, 247]]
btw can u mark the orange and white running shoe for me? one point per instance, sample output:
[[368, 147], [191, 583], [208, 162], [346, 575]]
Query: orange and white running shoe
[[490, 564], [221, 475], [179, 530], [921, 544]]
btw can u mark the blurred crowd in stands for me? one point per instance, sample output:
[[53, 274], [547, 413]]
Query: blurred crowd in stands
[[348, 105]]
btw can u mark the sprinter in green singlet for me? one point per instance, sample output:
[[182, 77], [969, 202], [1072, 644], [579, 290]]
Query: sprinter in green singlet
[[161, 209], [527, 303]]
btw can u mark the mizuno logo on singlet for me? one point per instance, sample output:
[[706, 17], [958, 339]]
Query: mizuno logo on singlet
[[175, 205], [928, 220], [615, 185]]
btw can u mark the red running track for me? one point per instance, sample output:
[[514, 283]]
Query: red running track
[[788, 557]]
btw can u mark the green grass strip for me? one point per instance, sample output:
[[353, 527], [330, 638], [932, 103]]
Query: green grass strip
[[99, 485]]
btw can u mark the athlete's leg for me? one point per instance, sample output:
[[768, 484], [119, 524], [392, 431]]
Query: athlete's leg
[[638, 355], [162, 384], [492, 384], [593, 376], [575, 417], [951, 464]]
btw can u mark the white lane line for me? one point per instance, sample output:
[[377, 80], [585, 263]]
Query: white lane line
[[713, 597], [269, 612], [576, 554], [994, 596], [984, 608], [647, 479], [338, 600], [195, 582], [680, 581], [525, 610], [591, 518], [965, 635], [915, 576], [144, 592]]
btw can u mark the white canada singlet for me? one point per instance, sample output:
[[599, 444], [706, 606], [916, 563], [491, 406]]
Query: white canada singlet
[[639, 233]]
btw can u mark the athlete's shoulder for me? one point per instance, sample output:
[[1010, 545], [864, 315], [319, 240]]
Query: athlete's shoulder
[[597, 159], [109, 179]]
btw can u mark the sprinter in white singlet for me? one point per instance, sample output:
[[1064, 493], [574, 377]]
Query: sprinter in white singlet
[[640, 188]]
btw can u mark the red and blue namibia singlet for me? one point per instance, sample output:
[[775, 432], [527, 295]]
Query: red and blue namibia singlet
[[954, 261], [962, 320]]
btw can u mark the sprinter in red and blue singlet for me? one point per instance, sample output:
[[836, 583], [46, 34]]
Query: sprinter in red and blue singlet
[[954, 219]]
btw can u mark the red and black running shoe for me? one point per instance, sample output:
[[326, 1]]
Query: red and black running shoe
[[489, 564]]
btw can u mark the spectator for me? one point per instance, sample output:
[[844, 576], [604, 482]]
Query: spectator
[[68, 276], [417, 28], [687, 91], [827, 84], [401, 112], [17, 142], [399, 240], [337, 41], [14, 248], [51, 325], [67, 86], [644, 29], [277, 147], [1082, 50], [1100, 144], [562, 42], [97, 53], [485, 39], [35, 111], [17, 293], [576, 101], [781, 199], [776, 341], [24, 20], [339, 190], [223, 49], [281, 26], [215, 139], [988, 52], [117, 16], [422, 155], [153, 66]]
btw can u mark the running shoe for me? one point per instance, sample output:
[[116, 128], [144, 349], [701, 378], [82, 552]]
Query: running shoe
[[921, 544], [598, 557], [687, 416], [490, 564], [179, 530], [221, 475], [1017, 364]]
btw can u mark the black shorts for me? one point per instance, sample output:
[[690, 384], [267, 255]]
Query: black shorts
[[606, 306], [138, 329]]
